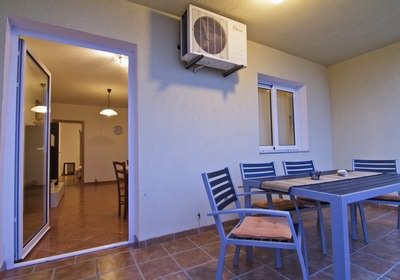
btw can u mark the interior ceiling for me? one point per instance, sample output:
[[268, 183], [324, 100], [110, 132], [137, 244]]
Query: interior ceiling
[[323, 31], [81, 75]]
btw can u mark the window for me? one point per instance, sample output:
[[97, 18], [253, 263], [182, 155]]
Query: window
[[282, 115]]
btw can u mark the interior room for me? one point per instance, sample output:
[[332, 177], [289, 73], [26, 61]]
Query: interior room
[[208, 85], [82, 148]]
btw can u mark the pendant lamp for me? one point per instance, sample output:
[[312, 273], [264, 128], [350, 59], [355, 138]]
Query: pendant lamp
[[41, 109], [108, 112]]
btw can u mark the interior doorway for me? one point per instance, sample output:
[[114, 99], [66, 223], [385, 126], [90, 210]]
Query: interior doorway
[[25, 28], [67, 149]]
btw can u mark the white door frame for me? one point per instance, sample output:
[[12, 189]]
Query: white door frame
[[17, 27]]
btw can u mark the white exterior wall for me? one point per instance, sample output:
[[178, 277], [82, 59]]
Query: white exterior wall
[[187, 123], [365, 94]]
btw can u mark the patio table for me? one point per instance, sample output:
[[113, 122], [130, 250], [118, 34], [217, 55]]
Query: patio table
[[339, 192]]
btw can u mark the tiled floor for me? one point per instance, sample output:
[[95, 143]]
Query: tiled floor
[[79, 221], [194, 257]]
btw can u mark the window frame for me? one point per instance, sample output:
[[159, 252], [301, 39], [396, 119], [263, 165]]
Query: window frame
[[300, 122]]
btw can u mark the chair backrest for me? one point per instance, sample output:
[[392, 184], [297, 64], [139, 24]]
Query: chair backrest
[[221, 193], [298, 167], [220, 190], [257, 170], [121, 173], [375, 165]]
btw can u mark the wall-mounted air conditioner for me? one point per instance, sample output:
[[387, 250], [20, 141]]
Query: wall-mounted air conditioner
[[211, 40]]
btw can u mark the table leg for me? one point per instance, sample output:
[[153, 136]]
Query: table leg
[[340, 240]]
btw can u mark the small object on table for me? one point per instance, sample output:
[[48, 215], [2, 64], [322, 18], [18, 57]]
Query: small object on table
[[315, 175], [342, 172]]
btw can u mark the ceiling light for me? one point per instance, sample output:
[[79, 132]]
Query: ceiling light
[[41, 109], [108, 112], [276, 2], [121, 60]]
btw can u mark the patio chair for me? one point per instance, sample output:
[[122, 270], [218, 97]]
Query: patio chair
[[255, 227], [384, 166], [298, 167], [266, 170], [121, 175], [305, 167]]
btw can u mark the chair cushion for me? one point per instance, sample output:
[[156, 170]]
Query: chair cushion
[[264, 227], [387, 197], [279, 204]]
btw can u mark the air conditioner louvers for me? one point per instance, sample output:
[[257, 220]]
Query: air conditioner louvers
[[211, 40]]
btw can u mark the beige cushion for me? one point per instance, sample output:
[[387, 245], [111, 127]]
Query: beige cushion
[[279, 204], [388, 197], [264, 227]]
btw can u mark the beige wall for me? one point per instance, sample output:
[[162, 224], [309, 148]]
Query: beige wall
[[101, 145], [187, 123], [365, 106], [69, 149]]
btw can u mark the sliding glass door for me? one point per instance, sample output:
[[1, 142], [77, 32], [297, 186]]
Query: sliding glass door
[[33, 187]]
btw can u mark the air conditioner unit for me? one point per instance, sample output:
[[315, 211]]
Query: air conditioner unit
[[211, 40]]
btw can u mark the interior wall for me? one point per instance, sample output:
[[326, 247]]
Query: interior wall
[[101, 145], [187, 122], [365, 106], [69, 149]]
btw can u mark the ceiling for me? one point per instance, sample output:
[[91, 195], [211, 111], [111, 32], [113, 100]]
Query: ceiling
[[82, 75], [323, 31]]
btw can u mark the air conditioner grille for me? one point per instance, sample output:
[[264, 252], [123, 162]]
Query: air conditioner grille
[[210, 35]]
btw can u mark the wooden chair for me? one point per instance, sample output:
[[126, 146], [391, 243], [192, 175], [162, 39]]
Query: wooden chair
[[384, 166], [121, 175], [305, 167], [255, 227]]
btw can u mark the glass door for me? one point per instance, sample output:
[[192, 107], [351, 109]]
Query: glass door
[[33, 187]]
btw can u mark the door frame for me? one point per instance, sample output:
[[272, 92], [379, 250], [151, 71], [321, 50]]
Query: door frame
[[16, 27]]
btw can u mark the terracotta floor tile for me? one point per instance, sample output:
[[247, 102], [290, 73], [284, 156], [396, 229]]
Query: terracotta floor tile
[[191, 258], [260, 274], [54, 264], [16, 272], [370, 262], [178, 245], [41, 275], [130, 273], [150, 253], [213, 249], [204, 238], [207, 271], [176, 276], [113, 262], [159, 267], [76, 271]]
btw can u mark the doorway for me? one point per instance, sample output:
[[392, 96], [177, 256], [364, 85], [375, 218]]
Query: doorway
[[75, 38]]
